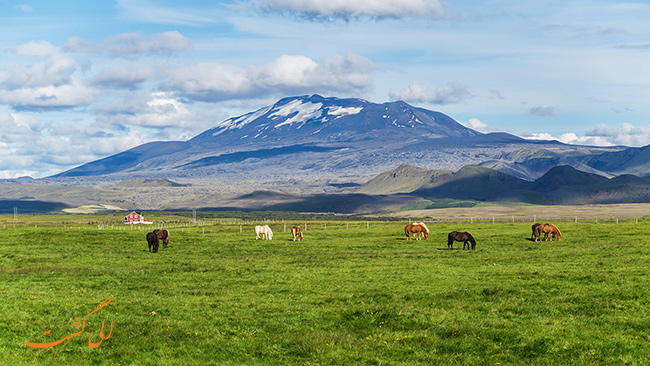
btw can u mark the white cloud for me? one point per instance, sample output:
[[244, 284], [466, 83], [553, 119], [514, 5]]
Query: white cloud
[[125, 76], [132, 44], [154, 110], [623, 134], [286, 75], [343, 9], [416, 93], [476, 125], [47, 83]]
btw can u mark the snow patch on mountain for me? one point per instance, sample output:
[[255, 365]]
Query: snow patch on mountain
[[300, 111], [239, 122], [342, 111]]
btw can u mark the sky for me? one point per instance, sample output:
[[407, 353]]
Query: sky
[[82, 80]]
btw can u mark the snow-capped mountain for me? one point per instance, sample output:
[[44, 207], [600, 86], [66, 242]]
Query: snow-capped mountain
[[317, 119], [309, 137]]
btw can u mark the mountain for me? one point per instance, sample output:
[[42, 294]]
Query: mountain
[[308, 138], [405, 178], [634, 161], [305, 133], [560, 185]]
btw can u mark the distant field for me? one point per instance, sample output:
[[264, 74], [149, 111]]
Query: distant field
[[530, 212], [350, 293]]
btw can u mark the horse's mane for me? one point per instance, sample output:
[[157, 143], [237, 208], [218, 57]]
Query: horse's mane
[[422, 224]]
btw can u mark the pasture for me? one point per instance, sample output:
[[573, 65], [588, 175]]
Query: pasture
[[347, 294]]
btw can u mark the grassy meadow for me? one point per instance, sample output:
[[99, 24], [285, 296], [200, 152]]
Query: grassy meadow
[[348, 294]]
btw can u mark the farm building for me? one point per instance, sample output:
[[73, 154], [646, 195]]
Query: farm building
[[135, 218]]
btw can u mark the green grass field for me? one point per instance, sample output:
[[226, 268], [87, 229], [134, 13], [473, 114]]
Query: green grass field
[[343, 296]]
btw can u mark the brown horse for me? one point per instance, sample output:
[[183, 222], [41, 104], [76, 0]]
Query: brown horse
[[295, 231], [153, 242], [465, 237], [162, 235], [534, 234], [418, 228], [550, 231]]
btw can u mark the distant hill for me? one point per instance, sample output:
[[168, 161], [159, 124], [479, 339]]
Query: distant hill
[[405, 178], [560, 185]]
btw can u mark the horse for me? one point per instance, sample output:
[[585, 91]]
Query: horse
[[534, 234], [162, 235], [265, 231], [417, 227], [549, 230], [295, 231], [152, 241], [465, 237]]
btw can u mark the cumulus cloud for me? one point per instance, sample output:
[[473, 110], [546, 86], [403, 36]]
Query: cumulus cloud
[[48, 83], [416, 93], [476, 125], [543, 112], [623, 134], [213, 82], [320, 10], [154, 110], [132, 44], [126, 76]]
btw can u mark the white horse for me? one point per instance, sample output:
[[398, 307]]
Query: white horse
[[265, 231]]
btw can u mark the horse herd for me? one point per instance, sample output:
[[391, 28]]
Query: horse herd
[[419, 229], [538, 230]]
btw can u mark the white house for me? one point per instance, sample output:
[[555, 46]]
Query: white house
[[135, 218]]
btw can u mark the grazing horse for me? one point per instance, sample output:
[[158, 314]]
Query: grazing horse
[[465, 237], [265, 231], [152, 240], [162, 235], [534, 234], [295, 231], [549, 230], [418, 228]]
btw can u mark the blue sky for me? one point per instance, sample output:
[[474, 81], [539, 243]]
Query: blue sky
[[83, 80]]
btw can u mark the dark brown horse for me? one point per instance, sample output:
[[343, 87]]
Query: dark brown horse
[[295, 231], [549, 230], [152, 240], [534, 234], [162, 235], [418, 228], [465, 237]]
